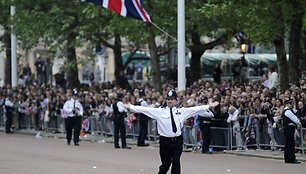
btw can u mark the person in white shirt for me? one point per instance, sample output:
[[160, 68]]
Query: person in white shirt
[[205, 125], [2, 83], [119, 114], [74, 110], [272, 78], [233, 117], [290, 122], [9, 108], [170, 121], [143, 121]]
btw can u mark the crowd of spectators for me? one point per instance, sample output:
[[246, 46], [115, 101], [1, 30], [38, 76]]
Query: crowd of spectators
[[258, 104]]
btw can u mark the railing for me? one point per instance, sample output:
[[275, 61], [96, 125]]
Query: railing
[[258, 136]]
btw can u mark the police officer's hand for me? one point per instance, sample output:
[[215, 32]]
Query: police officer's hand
[[299, 126], [126, 106]]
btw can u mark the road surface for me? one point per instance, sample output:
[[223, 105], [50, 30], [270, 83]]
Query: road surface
[[24, 154]]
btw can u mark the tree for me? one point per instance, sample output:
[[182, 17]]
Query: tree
[[270, 23], [6, 37], [46, 21], [295, 35]]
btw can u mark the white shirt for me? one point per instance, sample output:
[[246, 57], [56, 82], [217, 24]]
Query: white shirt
[[288, 113], [273, 80], [2, 83], [143, 103], [70, 105], [163, 117], [120, 106], [207, 113], [234, 118], [8, 103]]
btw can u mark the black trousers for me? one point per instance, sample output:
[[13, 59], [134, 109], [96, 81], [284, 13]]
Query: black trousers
[[73, 123], [119, 126], [289, 152], [170, 151], [205, 129], [143, 130], [8, 122]]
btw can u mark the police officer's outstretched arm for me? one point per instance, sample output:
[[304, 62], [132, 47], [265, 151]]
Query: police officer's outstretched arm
[[197, 110], [150, 112]]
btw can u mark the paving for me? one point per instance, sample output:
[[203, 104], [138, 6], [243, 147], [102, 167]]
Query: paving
[[259, 153]]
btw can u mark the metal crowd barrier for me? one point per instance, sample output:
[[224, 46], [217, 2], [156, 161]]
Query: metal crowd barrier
[[255, 138], [259, 137]]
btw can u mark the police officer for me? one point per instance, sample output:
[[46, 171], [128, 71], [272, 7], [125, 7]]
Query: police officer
[[9, 108], [74, 111], [205, 124], [143, 121], [119, 125], [170, 121], [290, 122]]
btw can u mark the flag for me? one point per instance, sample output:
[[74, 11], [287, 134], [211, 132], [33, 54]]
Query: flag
[[126, 8]]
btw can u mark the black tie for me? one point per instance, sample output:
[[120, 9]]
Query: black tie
[[74, 108], [174, 129]]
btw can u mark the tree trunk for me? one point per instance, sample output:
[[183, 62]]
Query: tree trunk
[[72, 74], [8, 62], [281, 61], [118, 55], [295, 50], [196, 54], [303, 67], [154, 61], [195, 72], [198, 49]]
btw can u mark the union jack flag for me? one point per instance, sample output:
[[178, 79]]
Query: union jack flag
[[126, 8]]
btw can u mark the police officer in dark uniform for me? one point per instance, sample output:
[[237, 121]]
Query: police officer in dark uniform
[[9, 108], [205, 124], [143, 121], [170, 121], [74, 111], [290, 122], [119, 126]]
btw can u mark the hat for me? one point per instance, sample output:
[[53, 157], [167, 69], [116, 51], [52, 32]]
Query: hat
[[171, 94], [74, 92], [141, 93], [204, 100], [288, 101], [119, 95]]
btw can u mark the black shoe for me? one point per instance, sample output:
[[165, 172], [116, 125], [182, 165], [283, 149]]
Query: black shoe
[[126, 147], [117, 147], [206, 152], [68, 143], [76, 144], [143, 145], [294, 162]]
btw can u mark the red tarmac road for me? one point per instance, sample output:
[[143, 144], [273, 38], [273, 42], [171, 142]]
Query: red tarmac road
[[23, 154]]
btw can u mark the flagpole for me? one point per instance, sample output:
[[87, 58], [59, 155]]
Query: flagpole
[[13, 52], [181, 70]]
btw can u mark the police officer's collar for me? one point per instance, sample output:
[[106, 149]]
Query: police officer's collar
[[174, 107]]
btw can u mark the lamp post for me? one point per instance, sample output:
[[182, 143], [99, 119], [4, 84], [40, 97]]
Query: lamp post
[[244, 65], [243, 48]]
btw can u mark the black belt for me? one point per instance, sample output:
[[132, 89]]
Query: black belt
[[171, 138]]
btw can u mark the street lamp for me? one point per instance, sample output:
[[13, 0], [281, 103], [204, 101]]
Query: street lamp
[[243, 48], [244, 64]]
